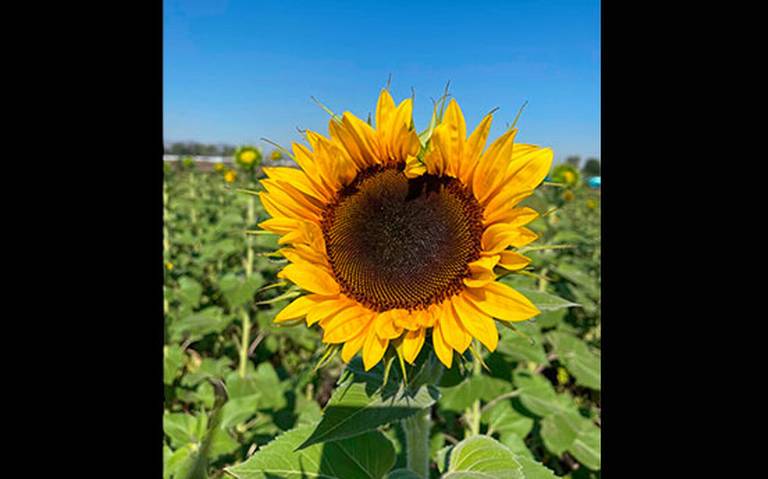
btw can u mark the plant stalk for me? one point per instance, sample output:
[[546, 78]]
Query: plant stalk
[[245, 341], [416, 429]]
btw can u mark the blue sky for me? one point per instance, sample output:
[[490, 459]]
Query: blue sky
[[235, 71]]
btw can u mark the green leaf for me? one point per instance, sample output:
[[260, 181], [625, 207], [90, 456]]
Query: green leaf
[[538, 395], [237, 290], [577, 357], [460, 397], [196, 325], [189, 292], [571, 432], [503, 418], [482, 457], [360, 404], [515, 444], [369, 455], [546, 301], [173, 360], [403, 474], [519, 348], [184, 428], [580, 278]]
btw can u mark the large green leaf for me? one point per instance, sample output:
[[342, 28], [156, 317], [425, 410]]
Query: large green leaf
[[504, 418], [238, 290], [482, 457], [461, 396], [189, 291], [366, 456], [546, 301], [360, 404], [173, 360], [580, 361], [196, 325], [538, 395], [520, 348], [403, 474], [580, 278], [569, 431]]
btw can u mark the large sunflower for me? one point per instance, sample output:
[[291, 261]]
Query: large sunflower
[[393, 239]]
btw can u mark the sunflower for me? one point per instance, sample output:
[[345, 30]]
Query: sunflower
[[219, 167], [275, 155], [248, 157], [230, 176], [566, 173], [396, 241]]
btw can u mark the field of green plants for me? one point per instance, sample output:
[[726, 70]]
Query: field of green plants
[[245, 398]]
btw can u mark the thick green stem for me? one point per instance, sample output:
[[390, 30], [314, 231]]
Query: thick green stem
[[472, 414], [245, 341], [416, 430]]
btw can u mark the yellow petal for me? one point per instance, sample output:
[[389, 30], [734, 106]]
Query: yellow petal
[[346, 325], [280, 225], [500, 301], [373, 349], [354, 345], [529, 169], [364, 137], [513, 261], [453, 332], [327, 309], [481, 271], [497, 237], [443, 351], [412, 344], [297, 178], [492, 164], [502, 208], [474, 148], [293, 198], [479, 324], [384, 108], [385, 323], [450, 136], [299, 307], [311, 278], [413, 167], [410, 320]]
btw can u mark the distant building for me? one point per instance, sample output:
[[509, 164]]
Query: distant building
[[205, 163]]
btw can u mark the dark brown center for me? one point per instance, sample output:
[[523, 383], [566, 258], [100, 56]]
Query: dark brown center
[[399, 243]]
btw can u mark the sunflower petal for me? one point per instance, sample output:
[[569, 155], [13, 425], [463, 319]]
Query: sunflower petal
[[500, 301], [384, 108], [386, 326], [412, 344], [346, 325], [373, 349], [311, 278], [299, 307], [491, 166], [513, 261], [479, 324], [443, 351], [354, 345], [328, 308], [473, 149], [497, 237], [453, 332]]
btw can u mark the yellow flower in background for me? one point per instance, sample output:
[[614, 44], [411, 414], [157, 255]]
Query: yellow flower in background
[[219, 167], [248, 157], [591, 204], [169, 266], [230, 176], [393, 243], [569, 177], [276, 155], [568, 195], [562, 376]]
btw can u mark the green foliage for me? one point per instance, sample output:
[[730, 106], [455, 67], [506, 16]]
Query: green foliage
[[532, 413]]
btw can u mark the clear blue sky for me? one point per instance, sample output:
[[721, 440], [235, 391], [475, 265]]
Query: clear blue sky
[[236, 71]]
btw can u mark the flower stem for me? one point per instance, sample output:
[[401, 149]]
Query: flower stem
[[244, 341], [416, 429]]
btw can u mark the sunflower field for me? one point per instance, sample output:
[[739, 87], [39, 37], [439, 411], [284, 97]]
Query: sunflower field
[[249, 397]]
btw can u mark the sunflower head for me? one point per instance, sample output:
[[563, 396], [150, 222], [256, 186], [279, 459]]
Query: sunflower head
[[248, 157], [275, 155], [169, 266], [568, 195], [230, 176], [565, 173], [398, 242], [219, 167]]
